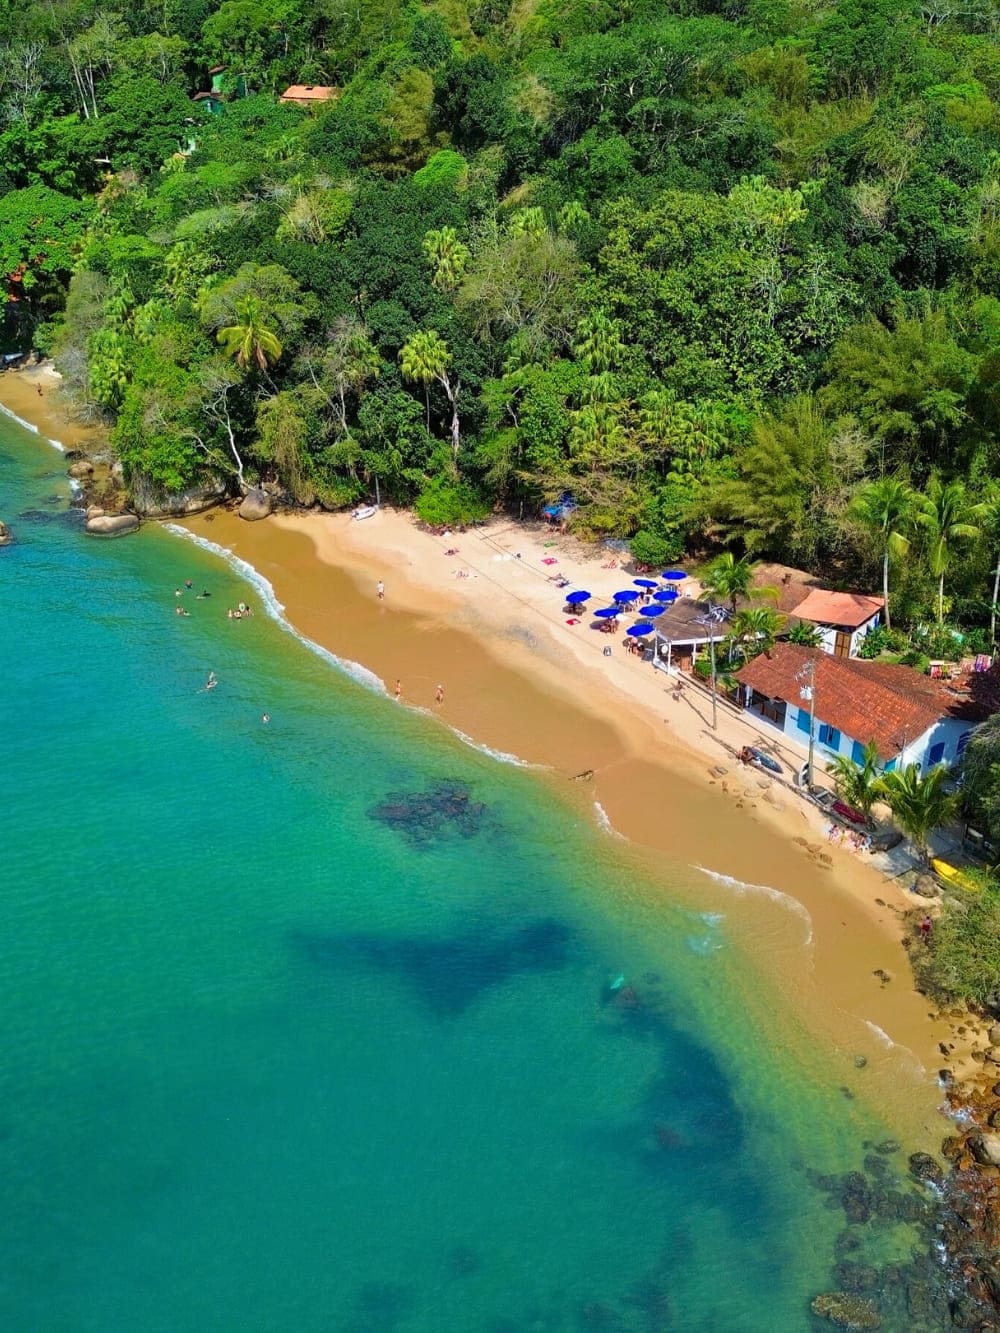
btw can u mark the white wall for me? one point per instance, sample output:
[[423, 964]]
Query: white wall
[[828, 634]]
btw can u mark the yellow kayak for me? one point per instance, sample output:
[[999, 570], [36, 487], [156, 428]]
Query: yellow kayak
[[952, 875]]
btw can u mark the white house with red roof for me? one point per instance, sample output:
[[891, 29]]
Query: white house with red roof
[[842, 618], [912, 718]]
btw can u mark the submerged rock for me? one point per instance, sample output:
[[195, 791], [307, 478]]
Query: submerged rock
[[846, 1311], [6, 536], [256, 505], [421, 816], [924, 1167]]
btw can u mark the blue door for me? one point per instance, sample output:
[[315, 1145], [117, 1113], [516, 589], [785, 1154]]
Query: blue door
[[935, 754]]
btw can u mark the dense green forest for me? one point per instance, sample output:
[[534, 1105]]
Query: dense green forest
[[726, 271]]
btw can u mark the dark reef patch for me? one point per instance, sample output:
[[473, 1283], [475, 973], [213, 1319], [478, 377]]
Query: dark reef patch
[[449, 974], [423, 816]]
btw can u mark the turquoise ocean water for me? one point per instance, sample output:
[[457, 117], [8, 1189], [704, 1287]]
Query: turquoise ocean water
[[271, 1062]]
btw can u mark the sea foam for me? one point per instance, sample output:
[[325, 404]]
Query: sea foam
[[276, 610], [30, 425], [742, 886], [885, 1040], [604, 820]]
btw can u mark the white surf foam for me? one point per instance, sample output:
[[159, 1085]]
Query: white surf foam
[[276, 611], [742, 886], [604, 820], [501, 756], [30, 425]]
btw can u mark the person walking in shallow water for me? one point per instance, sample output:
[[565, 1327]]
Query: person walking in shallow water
[[398, 691]]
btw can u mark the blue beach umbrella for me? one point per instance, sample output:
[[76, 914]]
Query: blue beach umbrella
[[653, 609], [667, 595], [608, 612], [644, 583], [637, 630], [575, 598], [675, 575], [628, 595]]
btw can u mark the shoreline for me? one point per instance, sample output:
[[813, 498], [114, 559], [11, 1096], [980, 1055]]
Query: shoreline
[[827, 921], [518, 683]]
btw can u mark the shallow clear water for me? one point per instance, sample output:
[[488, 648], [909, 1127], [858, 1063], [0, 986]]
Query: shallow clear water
[[272, 1063]]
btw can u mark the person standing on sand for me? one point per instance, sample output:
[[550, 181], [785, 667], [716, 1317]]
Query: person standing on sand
[[439, 695], [398, 691], [380, 589]]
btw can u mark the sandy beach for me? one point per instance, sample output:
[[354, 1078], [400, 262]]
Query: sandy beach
[[34, 396], [616, 739], [488, 626]]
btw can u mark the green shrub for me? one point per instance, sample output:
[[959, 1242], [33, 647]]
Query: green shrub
[[875, 642], [961, 960]]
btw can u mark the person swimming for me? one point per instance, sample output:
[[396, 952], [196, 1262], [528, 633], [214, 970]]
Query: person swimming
[[212, 681]]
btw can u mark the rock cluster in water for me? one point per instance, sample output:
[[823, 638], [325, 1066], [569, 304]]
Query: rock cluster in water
[[424, 815]]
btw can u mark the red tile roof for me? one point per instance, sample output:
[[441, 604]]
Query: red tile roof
[[850, 609], [891, 705], [309, 92]]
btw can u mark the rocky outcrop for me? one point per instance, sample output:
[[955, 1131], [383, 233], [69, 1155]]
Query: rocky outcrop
[[112, 525], [6, 536], [151, 503], [846, 1311], [256, 505], [81, 471], [95, 511]]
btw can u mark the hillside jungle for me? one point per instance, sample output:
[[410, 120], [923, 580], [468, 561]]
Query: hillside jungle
[[728, 274]]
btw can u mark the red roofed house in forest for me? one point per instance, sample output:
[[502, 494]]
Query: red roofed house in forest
[[309, 94], [842, 618], [912, 718]]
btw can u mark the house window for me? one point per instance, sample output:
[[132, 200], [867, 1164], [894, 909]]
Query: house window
[[935, 754], [889, 766], [829, 736], [858, 753], [802, 721]]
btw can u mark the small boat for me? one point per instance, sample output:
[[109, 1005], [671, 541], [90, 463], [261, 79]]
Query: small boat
[[763, 760], [366, 511], [950, 874]]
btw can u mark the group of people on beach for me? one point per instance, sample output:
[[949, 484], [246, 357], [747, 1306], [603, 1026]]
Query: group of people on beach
[[239, 612], [397, 692], [848, 837]]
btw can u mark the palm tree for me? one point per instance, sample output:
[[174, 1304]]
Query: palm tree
[[857, 784], [805, 635], [732, 578], [250, 341], [918, 801], [424, 359], [447, 256], [753, 631], [885, 507], [948, 518]]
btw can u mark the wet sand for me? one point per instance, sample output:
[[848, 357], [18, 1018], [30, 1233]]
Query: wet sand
[[47, 411], [820, 932]]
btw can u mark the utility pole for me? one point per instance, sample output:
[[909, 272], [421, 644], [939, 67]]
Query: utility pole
[[711, 653], [808, 691]]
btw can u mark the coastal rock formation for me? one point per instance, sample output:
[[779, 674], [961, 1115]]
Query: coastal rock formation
[[985, 1148], [6, 536], [256, 504], [151, 503], [95, 511], [846, 1311], [112, 525], [81, 471]]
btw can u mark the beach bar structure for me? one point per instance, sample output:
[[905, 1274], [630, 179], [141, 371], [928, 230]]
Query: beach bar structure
[[686, 630]]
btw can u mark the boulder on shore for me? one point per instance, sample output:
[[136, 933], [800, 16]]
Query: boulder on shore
[[112, 525], [6, 536], [256, 504], [95, 511], [152, 503], [80, 471], [986, 1149]]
